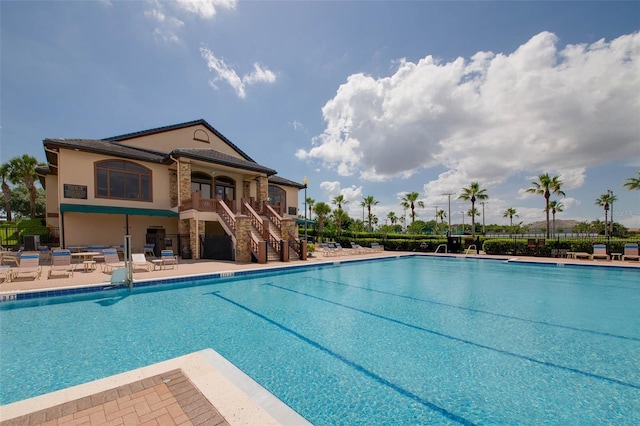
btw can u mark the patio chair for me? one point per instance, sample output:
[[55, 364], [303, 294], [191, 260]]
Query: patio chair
[[29, 264], [45, 254], [631, 252], [139, 261], [360, 248], [377, 247], [600, 252], [61, 262], [12, 257], [111, 260], [167, 258], [148, 250]]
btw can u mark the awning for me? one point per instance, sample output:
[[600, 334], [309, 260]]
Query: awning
[[86, 208]]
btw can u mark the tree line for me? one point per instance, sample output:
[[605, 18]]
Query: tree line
[[24, 197], [547, 186]]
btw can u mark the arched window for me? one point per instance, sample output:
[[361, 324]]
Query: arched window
[[122, 180], [225, 188], [201, 182], [277, 198]]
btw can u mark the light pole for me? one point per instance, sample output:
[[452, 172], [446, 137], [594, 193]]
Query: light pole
[[449, 194], [462, 222], [610, 192], [305, 181]]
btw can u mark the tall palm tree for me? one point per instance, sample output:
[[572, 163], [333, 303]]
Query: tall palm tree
[[339, 200], [510, 213], [633, 183], [605, 201], [368, 202], [409, 201], [441, 214], [556, 207], [547, 185], [23, 170], [322, 209], [473, 193], [310, 203], [6, 189]]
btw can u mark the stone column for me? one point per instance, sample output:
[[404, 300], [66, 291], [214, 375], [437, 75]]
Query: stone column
[[243, 227], [185, 181], [263, 190], [173, 187]]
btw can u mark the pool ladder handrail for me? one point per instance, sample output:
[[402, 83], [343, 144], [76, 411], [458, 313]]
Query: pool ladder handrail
[[472, 246], [441, 245]]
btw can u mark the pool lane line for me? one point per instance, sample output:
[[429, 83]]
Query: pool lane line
[[404, 392], [467, 342], [480, 311]]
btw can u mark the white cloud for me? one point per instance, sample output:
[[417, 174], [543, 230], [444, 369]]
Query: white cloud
[[224, 72], [538, 109], [205, 9], [167, 26]]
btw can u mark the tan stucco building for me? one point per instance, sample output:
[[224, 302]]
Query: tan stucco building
[[184, 187]]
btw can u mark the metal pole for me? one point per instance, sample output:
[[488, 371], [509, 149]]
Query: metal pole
[[483, 228], [305, 181], [449, 194], [611, 217]]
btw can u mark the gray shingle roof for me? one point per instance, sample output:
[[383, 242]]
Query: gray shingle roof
[[217, 157]]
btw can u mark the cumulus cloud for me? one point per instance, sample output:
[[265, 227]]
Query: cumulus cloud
[[538, 109], [225, 73]]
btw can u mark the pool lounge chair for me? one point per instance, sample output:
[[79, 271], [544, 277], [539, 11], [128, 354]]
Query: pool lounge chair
[[377, 247], [167, 258], [29, 264], [631, 252], [600, 252], [5, 273], [139, 261], [111, 260], [148, 250], [61, 262]]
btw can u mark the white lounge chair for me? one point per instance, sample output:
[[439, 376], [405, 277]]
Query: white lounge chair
[[139, 261], [631, 252], [29, 264], [61, 262]]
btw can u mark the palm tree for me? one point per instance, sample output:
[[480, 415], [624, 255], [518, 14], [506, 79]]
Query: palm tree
[[441, 214], [510, 213], [23, 170], [367, 202], [310, 203], [633, 183], [339, 217], [6, 189], [409, 201], [555, 206], [473, 193], [322, 209], [546, 186], [605, 200], [339, 200], [392, 217]]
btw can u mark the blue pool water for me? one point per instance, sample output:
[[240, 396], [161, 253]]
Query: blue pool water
[[411, 340]]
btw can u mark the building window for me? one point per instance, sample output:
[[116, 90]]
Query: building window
[[277, 198], [122, 180], [201, 182], [225, 188]]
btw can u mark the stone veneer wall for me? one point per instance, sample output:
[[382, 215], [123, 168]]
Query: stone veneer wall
[[173, 187], [243, 227], [185, 181], [288, 224], [263, 189]]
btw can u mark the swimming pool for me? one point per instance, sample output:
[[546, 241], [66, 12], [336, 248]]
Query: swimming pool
[[414, 340]]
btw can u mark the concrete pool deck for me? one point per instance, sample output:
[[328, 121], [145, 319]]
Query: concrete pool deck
[[199, 388]]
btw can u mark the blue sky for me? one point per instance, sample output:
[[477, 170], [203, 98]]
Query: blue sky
[[363, 98]]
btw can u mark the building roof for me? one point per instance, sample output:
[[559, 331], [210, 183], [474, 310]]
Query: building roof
[[277, 180], [113, 146], [180, 126]]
